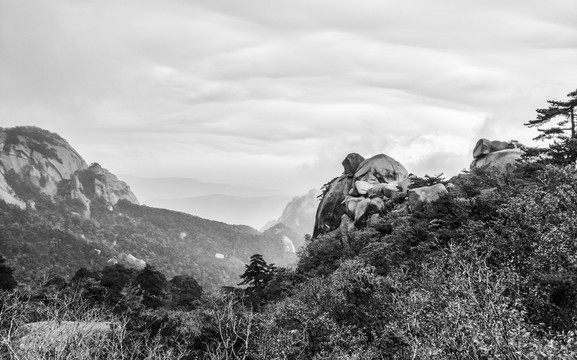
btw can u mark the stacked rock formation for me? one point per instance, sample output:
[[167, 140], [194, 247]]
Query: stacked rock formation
[[364, 189], [495, 153]]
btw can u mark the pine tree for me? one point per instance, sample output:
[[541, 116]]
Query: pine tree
[[7, 281], [152, 284], [563, 149], [258, 273]]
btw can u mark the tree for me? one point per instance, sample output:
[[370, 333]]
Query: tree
[[563, 150], [185, 290], [152, 285], [258, 273], [7, 281]]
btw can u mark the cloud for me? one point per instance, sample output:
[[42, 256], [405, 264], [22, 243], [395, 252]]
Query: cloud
[[279, 92]]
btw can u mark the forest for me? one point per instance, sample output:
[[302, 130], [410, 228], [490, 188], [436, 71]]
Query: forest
[[489, 271]]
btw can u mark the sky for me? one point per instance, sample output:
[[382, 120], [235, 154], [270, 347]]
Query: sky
[[275, 94]]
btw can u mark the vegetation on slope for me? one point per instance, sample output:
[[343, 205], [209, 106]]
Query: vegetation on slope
[[489, 271], [55, 239]]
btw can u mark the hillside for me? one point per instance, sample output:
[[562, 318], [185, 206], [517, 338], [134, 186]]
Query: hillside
[[479, 266], [66, 215]]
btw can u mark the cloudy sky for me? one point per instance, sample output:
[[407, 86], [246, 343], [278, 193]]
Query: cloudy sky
[[276, 93]]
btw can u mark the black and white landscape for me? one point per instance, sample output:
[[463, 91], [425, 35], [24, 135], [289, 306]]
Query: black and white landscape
[[288, 180]]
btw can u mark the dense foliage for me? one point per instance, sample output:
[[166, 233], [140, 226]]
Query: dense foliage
[[563, 148], [56, 239], [488, 271]]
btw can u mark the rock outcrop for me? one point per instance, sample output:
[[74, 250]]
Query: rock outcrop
[[331, 208], [359, 193], [496, 154], [299, 214], [46, 160], [484, 147], [35, 340], [42, 157], [419, 197], [108, 187], [498, 159], [380, 169]]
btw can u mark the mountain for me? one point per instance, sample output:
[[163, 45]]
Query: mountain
[[50, 164], [299, 214], [181, 188], [252, 211], [58, 214], [221, 202]]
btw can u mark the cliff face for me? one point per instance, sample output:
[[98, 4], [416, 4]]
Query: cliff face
[[45, 159], [299, 214]]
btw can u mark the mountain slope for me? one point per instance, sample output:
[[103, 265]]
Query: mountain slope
[[299, 214], [82, 216]]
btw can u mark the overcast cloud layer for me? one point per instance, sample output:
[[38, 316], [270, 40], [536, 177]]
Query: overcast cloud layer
[[276, 93]]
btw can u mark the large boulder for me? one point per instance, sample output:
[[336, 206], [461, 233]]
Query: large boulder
[[484, 147], [331, 207], [351, 163], [131, 262], [498, 159], [35, 340], [419, 197], [384, 190], [370, 172], [381, 169]]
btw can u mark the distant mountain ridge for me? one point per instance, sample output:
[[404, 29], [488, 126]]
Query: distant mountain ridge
[[252, 211], [179, 188], [231, 204]]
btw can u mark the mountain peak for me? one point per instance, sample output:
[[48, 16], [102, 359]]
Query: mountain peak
[[44, 160]]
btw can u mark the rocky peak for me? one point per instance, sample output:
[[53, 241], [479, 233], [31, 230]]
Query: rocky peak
[[42, 157], [106, 185], [348, 194], [45, 159], [299, 214]]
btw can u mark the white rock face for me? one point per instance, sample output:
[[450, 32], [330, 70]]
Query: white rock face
[[44, 168], [299, 214], [498, 159], [45, 159], [34, 340], [7, 194], [425, 195], [130, 261], [288, 245], [108, 187]]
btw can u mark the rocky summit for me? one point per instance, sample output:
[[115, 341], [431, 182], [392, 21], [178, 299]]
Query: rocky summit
[[299, 214], [368, 188], [48, 162], [495, 153], [360, 191]]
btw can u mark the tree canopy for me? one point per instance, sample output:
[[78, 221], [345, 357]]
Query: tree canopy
[[563, 149], [258, 273]]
